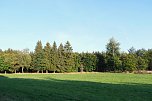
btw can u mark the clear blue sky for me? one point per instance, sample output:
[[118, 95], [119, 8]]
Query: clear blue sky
[[87, 24]]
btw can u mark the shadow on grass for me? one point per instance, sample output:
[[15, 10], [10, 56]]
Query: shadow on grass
[[19, 89]]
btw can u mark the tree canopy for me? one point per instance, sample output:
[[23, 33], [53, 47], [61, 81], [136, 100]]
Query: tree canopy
[[62, 58]]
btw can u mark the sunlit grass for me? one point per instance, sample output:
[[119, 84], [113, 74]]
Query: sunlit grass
[[81, 87]]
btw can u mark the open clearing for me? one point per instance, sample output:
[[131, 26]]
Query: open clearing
[[76, 87]]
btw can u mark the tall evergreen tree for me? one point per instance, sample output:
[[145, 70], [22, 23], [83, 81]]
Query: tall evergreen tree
[[113, 48], [54, 57], [69, 59], [113, 53], [61, 59], [47, 57], [39, 57]]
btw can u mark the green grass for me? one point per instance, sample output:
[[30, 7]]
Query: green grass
[[76, 87]]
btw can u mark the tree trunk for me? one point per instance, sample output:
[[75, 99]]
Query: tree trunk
[[5, 72], [46, 71], [22, 69], [15, 71], [38, 71], [42, 71], [81, 69]]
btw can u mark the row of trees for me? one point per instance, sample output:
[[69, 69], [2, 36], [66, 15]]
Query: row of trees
[[51, 58], [114, 60]]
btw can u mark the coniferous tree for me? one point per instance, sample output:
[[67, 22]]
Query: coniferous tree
[[47, 57], [112, 54], [101, 61], [132, 50], [89, 62], [69, 59], [39, 57], [77, 61], [54, 57], [61, 59], [142, 59]]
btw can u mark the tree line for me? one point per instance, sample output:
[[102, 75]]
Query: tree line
[[60, 59]]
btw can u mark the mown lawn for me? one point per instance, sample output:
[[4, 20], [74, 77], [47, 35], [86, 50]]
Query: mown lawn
[[76, 87]]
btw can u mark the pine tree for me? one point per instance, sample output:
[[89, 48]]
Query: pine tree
[[39, 57], [132, 50], [54, 57], [113, 47], [112, 54], [61, 59], [69, 59], [47, 57], [68, 47]]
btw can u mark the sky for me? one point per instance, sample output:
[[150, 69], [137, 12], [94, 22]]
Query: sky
[[87, 24]]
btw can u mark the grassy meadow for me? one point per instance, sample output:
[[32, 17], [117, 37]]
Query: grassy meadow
[[76, 87]]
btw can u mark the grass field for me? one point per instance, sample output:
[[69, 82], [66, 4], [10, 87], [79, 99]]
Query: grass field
[[76, 87]]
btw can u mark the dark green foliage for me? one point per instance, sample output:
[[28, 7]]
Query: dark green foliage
[[117, 64], [47, 57], [113, 48], [142, 63], [142, 59], [88, 61], [69, 57], [62, 59], [54, 57], [129, 62], [132, 50], [39, 61], [77, 61], [101, 62], [24, 59], [3, 65], [112, 55], [149, 57], [68, 47]]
